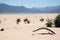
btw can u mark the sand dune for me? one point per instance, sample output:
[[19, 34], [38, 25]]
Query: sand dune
[[22, 31]]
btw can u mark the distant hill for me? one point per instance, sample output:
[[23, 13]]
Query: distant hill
[[12, 9], [5, 8]]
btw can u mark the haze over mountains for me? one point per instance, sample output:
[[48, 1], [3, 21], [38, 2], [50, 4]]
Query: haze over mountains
[[5, 8]]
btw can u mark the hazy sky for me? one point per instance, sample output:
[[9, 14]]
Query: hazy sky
[[31, 3]]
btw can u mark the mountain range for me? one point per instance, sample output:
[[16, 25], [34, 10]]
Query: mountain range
[[5, 8]]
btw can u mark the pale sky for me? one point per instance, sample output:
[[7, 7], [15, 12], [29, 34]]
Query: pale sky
[[31, 3]]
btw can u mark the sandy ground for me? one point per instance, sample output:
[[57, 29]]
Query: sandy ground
[[22, 31]]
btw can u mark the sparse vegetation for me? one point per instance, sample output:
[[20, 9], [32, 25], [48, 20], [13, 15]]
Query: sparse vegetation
[[18, 20], [49, 23], [42, 20], [26, 21], [57, 21], [2, 29], [0, 21]]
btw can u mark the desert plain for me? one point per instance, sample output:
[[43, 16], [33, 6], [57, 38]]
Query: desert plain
[[24, 31]]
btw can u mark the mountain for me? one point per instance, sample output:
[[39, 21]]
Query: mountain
[[12, 9], [5, 8], [52, 9]]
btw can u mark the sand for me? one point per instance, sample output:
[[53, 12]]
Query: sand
[[22, 31]]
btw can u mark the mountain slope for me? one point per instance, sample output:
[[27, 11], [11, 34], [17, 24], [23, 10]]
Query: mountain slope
[[5, 8]]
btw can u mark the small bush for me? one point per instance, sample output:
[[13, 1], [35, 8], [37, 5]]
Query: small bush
[[2, 29], [18, 20], [57, 21], [49, 23], [0, 21], [26, 21], [42, 20]]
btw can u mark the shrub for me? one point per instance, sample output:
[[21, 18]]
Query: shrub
[[2, 29], [49, 23], [42, 20], [26, 21], [57, 21], [18, 20]]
